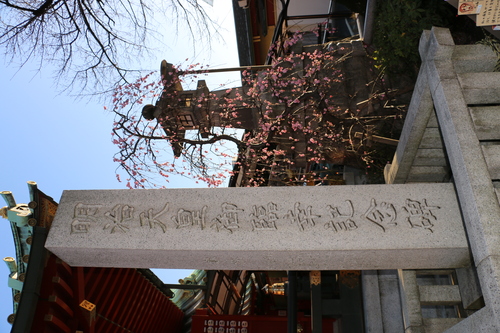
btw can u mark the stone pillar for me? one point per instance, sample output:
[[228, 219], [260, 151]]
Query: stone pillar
[[390, 301], [371, 302], [410, 301], [470, 290]]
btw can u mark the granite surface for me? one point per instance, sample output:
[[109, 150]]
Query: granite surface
[[300, 228]]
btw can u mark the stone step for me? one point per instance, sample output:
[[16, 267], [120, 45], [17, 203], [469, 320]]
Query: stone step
[[492, 156], [439, 325], [430, 157], [433, 122], [431, 138], [428, 174], [473, 58], [486, 121], [480, 88], [440, 295]]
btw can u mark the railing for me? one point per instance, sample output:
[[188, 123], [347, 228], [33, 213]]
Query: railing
[[283, 19]]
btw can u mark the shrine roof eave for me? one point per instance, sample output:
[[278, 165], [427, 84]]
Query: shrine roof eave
[[34, 275], [33, 269]]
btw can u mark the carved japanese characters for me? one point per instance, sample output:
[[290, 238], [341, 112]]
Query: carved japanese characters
[[338, 217]]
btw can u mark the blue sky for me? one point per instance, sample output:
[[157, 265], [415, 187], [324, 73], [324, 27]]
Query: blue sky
[[64, 143]]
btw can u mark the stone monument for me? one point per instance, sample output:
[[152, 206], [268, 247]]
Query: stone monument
[[277, 228]]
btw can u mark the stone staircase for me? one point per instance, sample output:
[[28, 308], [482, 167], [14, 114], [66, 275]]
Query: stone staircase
[[458, 84], [430, 299]]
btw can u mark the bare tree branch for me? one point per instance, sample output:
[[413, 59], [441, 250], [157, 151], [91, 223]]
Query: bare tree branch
[[92, 43]]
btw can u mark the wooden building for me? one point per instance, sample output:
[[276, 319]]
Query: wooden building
[[50, 296]]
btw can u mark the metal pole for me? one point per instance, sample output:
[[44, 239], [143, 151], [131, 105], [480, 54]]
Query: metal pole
[[228, 69], [331, 9], [315, 16], [359, 24], [369, 19], [292, 302], [316, 302]]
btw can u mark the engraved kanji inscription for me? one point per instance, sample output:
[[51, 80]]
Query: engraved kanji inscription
[[304, 218], [420, 214], [341, 220], [228, 220], [264, 217], [83, 217], [151, 219], [190, 218], [382, 214], [120, 215]]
